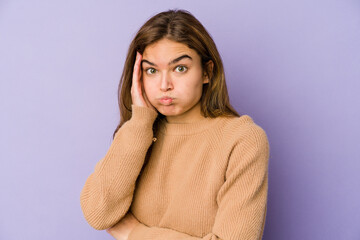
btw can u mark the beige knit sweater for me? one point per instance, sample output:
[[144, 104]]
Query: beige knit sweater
[[203, 180]]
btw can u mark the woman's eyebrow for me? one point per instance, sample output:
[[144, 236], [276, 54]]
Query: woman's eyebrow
[[171, 62]]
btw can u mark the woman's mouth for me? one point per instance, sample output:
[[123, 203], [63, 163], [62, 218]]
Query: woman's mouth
[[166, 100]]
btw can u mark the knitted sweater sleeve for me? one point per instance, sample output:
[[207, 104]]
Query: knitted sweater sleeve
[[242, 199], [108, 191]]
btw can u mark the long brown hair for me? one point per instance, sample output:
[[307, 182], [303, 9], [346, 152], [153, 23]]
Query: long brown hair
[[180, 26]]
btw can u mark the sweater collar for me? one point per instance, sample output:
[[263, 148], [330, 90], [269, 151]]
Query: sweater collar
[[204, 124]]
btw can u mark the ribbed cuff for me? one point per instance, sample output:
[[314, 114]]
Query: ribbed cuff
[[139, 232], [143, 114]]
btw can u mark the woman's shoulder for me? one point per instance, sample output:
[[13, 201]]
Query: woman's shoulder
[[240, 128]]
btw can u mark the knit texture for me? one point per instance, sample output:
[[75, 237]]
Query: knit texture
[[204, 180]]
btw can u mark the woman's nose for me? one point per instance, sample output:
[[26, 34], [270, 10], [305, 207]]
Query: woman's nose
[[166, 83]]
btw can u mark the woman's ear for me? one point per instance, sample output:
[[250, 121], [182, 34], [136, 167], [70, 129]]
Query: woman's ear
[[208, 71]]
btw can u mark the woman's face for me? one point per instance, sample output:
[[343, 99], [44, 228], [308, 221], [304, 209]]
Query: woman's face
[[173, 80]]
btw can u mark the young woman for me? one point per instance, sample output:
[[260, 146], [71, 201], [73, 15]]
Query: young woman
[[183, 164]]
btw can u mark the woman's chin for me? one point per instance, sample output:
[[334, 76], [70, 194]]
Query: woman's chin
[[167, 110]]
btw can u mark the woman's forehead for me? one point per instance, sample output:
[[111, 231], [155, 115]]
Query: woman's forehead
[[165, 52], [171, 62]]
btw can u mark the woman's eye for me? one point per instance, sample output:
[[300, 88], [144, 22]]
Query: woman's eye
[[151, 70], [181, 68]]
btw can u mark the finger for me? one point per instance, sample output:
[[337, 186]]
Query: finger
[[137, 85], [135, 76]]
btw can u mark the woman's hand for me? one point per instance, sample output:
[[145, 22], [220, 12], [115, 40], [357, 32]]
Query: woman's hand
[[122, 229], [138, 94]]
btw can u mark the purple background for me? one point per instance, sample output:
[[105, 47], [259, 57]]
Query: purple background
[[293, 66]]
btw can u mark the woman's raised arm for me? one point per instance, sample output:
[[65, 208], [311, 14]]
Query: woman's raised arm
[[108, 191]]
